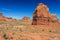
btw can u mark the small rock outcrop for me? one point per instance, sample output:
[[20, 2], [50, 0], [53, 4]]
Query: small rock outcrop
[[9, 19], [26, 19], [42, 16], [54, 18], [2, 18]]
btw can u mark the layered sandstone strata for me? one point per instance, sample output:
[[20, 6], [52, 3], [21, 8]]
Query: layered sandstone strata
[[42, 16]]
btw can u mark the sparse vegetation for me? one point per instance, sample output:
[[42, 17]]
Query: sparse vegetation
[[5, 36], [42, 29], [50, 31], [23, 31]]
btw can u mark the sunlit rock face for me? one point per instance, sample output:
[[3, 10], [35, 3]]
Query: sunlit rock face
[[9, 19], [59, 21], [54, 19], [26, 19], [42, 10], [2, 18], [42, 16]]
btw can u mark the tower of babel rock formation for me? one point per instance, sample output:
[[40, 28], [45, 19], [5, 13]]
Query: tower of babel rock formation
[[42, 16]]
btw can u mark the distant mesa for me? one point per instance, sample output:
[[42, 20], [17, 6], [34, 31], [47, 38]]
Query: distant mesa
[[2, 18], [26, 19], [42, 16], [59, 21], [53, 17]]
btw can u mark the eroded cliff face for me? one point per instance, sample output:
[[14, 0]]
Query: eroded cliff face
[[42, 16], [54, 19], [2, 18], [42, 10], [26, 19]]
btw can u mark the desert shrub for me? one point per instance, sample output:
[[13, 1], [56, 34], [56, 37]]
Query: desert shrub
[[21, 24], [1, 22], [0, 29], [42, 29], [33, 30], [20, 35], [13, 33], [50, 31], [5, 36], [7, 28], [25, 24], [23, 39], [21, 30]]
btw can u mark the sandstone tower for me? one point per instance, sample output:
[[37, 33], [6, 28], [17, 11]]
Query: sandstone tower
[[42, 16]]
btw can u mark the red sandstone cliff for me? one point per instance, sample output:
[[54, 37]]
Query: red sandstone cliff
[[2, 18], [42, 16]]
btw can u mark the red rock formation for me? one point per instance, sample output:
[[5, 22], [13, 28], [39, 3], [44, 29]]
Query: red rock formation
[[54, 19], [26, 19], [42, 16], [2, 18], [42, 10], [9, 19]]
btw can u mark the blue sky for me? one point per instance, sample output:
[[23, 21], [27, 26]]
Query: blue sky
[[20, 8]]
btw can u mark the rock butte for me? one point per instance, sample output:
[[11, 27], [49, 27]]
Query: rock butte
[[26, 19], [42, 16], [2, 18]]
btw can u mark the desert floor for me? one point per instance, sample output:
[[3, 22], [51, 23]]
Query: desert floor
[[25, 31]]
